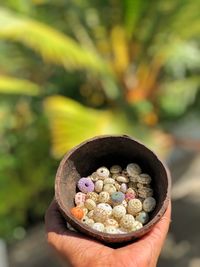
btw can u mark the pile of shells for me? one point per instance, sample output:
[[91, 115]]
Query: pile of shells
[[115, 200]]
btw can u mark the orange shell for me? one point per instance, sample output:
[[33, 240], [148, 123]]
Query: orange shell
[[77, 212]]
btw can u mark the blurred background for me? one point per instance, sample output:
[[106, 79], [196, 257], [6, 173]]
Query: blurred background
[[73, 69]]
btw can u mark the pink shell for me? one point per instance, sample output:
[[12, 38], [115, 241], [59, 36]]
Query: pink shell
[[129, 196], [80, 198]]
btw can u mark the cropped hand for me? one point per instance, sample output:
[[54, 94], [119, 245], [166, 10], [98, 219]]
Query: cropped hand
[[81, 251]]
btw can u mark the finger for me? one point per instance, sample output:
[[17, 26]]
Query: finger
[[58, 234], [158, 234]]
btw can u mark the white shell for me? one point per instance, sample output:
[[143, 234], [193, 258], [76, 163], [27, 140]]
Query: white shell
[[90, 214], [127, 221], [110, 230], [134, 178], [145, 192], [92, 195], [98, 226], [133, 169], [119, 211], [122, 179], [111, 222], [90, 204], [109, 181], [103, 197], [103, 172], [149, 204], [134, 206], [144, 178], [123, 188], [117, 185], [136, 226], [85, 211], [87, 221], [100, 215], [94, 177], [110, 188], [98, 186], [106, 207], [115, 169]]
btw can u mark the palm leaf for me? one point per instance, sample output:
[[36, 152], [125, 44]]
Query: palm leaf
[[52, 45], [132, 13], [10, 85], [70, 123]]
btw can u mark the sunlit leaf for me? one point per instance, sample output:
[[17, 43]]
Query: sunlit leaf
[[51, 44], [11, 85], [71, 123]]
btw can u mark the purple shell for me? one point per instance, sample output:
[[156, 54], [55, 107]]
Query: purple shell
[[85, 185]]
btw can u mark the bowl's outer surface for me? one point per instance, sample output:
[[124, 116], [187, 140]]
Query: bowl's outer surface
[[107, 150]]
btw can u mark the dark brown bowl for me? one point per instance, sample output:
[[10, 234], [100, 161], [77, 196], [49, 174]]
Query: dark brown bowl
[[107, 151]]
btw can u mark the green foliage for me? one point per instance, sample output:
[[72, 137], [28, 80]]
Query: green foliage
[[10, 85], [53, 46]]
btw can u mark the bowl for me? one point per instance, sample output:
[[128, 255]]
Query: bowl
[[109, 150]]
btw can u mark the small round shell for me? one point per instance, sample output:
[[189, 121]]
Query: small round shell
[[103, 173], [94, 177], [123, 188], [109, 181], [149, 204], [117, 197], [119, 211], [80, 199], [103, 197], [110, 230], [127, 221], [145, 192], [142, 217], [92, 195], [90, 214], [133, 169], [98, 186], [115, 169], [144, 178], [122, 179], [85, 211], [90, 204], [136, 226], [106, 207], [98, 226], [134, 206], [110, 188], [100, 215], [111, 222]]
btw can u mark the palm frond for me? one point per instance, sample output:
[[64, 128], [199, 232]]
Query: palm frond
[[70, 123], [52, 45], [132, 12], [10, 85]]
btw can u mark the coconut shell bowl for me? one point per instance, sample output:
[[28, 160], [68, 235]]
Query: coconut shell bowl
[[110, 150]]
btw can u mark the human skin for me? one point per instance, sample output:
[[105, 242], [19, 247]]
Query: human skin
[[81, 251]]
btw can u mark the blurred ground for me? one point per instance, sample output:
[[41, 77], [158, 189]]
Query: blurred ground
[[182, 245]]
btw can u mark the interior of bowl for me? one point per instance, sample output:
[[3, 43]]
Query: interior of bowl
[[107, 151]]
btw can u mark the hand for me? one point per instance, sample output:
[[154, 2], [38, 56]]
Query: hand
[[81, 251]]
